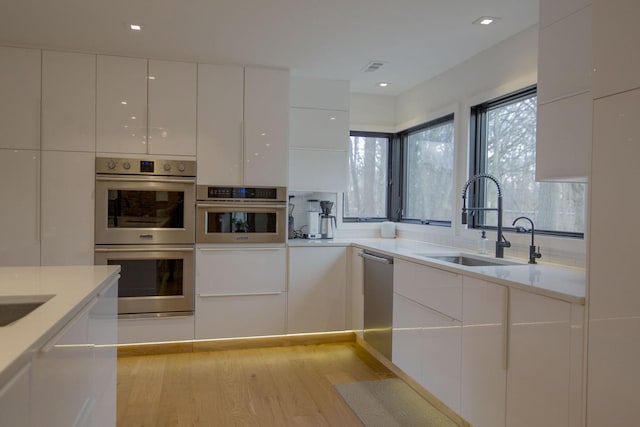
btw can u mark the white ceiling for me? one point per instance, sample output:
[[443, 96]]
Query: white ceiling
[[417, 39]]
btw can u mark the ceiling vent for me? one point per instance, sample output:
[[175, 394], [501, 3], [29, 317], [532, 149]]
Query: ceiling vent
[[372, 66]]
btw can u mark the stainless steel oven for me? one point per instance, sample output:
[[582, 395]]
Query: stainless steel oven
[[241, 214], [145, 222]]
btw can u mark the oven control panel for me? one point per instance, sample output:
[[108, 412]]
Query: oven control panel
[[154, 167]]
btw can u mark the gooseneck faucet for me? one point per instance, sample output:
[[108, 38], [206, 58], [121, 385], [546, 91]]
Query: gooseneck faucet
[[533, 254], [501, 242]]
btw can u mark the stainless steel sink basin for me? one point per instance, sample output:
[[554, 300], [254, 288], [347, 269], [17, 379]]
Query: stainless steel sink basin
[[470, 260], [15, 308]]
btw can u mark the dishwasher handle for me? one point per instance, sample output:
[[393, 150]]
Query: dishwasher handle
[[377, 258]]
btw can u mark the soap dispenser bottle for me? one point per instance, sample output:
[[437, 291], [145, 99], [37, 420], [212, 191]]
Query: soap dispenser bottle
[[482, 243]]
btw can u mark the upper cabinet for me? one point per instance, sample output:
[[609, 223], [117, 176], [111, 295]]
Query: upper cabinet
[[121, 105], [616, 57], [243, 126], [266, 126], [146, 107], [319, 134], [172, 108], [220, 124], [20, 71], [564, 91], [68, 101]]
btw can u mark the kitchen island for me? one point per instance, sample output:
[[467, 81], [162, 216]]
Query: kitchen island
[[58, 362]]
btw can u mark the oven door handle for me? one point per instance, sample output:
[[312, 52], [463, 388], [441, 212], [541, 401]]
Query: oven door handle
[[145, 179], [144, 249], [242, 205]]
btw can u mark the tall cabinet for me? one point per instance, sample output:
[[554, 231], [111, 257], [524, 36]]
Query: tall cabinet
[[614, 295]]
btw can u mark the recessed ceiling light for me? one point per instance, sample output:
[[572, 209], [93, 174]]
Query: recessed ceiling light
[[485, 20], [383, 84], [136, 27]]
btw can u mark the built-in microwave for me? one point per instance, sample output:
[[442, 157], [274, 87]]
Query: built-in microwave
[[241, 214]]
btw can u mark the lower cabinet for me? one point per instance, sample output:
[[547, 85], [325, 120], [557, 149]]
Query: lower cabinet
[[240, 292], [317, 291], [484, 353], [357, 291], [545, 362], [14, 399]]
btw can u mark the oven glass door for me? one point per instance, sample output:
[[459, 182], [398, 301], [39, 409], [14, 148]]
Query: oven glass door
[[138, 210], [153, 279], [232, 223]]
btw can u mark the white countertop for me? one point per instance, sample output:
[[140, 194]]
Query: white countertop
[[71, 288], [552, 280]]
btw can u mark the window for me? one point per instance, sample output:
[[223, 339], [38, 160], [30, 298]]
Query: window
[[429, 172], [504, 145], [366, 195]]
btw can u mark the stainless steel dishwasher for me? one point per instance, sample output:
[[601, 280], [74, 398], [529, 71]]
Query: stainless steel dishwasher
[[378, 301]]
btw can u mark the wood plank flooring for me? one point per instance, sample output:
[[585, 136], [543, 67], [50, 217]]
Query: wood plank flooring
[[279, 386]]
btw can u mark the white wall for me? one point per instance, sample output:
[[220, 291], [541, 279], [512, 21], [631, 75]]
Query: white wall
[[503, 68]]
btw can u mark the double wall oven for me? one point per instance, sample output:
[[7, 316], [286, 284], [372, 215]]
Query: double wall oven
[[145, 222]]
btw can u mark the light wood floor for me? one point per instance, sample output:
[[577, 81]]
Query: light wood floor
[[281, 386]]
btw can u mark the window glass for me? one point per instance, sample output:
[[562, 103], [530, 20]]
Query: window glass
[[366, 195], [506, 136], [429, 163]]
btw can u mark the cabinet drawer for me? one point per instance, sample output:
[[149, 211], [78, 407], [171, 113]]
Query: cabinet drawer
[[433, 288], [240, 271]]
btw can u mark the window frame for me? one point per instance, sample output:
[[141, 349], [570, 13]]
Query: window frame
[[478, 159], [403, 139], [390, 137]]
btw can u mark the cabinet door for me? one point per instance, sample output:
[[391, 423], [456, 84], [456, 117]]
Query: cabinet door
[[317, 289], [615, 54], [565, 57], [20, 195], [14, 400], [220, 121], [319, 129], [68, 101], [538, 378], [315, 170], [563, 145], [484, 339], [67, 208], [172, 108], [266, 129], [429, 348], [121, 111], [61, 376], [20, 71], [357, 291]]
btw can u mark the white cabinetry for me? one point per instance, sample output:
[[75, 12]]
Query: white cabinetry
[[240, 292], [243, 126], [484, 353], [317, 289], [615, 54], [357, 291], [614, 294], [172, 108], [427, 331], [266, 126], [146, 107], [68, 101], [20, 195], [319, 134], [14, 400], [67, 208], [220, 124], [20, 71], [564, 91], [61, 383], [540, 384], [121, 111]]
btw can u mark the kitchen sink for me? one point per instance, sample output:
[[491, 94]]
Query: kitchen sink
[[470, 260], [13, 308]]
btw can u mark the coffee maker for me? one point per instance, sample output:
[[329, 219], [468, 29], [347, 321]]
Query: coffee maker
[[313, 225], [327, 221]]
